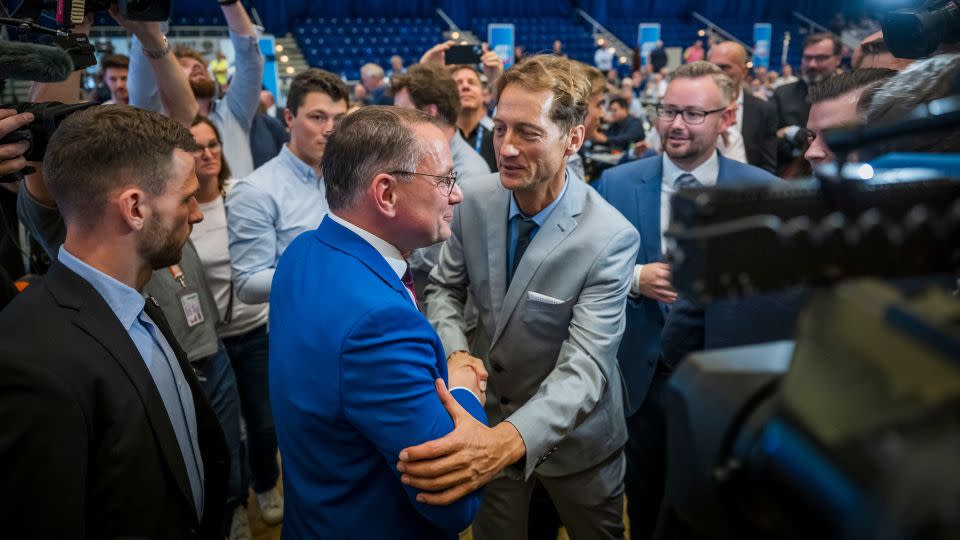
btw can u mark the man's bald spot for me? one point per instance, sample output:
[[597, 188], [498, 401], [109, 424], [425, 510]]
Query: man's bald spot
[[736, 50]]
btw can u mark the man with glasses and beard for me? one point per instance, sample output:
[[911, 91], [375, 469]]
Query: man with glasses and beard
[[232, 114], [107, 431], [698, 106], [821, 59]]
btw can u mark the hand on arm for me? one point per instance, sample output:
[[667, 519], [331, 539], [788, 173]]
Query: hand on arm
[[465, 460], [653, 282]]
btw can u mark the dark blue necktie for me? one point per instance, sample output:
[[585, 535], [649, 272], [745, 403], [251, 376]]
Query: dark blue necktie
[[525, 228], [686, 180]]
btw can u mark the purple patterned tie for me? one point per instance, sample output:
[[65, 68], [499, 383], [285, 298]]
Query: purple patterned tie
[[407, 280]]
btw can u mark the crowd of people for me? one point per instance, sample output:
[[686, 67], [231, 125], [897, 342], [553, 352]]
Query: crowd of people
[[415, 290]]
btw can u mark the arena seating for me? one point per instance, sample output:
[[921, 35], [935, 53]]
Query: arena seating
[[537, 34], [343, 44]]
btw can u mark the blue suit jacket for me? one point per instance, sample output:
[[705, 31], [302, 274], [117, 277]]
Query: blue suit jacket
[[634, 190], [352, 371]]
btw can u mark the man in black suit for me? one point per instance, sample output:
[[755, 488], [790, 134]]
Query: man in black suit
[[821, 59], [107, 432], [658, 58], [624, 130], [756, 119]]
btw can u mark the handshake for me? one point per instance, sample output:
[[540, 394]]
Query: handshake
[[468, 371]]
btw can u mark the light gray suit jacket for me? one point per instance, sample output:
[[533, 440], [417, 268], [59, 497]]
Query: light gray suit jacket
[[549, 341]]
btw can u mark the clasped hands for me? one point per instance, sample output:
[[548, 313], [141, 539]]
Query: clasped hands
[[467, 458]]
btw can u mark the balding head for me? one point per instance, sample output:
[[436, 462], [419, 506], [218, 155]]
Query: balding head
[[731, 57]]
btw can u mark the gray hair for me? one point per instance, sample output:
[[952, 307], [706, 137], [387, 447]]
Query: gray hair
[[696, 70], [920, 83], [368, 142], [371, 70]]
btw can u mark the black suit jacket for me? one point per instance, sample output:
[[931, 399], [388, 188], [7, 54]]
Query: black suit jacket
[[692, 327], [790, 101], [759, 132], [86, 448]]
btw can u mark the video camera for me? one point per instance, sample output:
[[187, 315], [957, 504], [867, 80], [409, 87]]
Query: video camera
[[918, 32], [47, 117], [851, 431]]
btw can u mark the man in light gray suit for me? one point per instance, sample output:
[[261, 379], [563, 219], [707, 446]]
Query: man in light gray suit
[[547, 261]]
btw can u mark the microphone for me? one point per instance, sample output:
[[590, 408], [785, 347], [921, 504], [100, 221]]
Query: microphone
[[31, 62]]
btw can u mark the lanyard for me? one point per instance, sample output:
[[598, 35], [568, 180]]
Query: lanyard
[[479, 141], [177, 274]]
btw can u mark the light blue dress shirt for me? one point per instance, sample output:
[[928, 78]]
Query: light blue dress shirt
[[265, 212], [540, 218], [127, 304]]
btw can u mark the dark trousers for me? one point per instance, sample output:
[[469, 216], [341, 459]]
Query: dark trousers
[[646, 462], [249, 355], [543, 521], [220, 386]]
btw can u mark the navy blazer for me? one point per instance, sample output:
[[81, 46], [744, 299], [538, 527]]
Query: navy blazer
[[352, 371], [634, 190]]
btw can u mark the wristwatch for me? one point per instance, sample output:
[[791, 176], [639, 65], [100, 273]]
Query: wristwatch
[[228, 2], [156, 54]]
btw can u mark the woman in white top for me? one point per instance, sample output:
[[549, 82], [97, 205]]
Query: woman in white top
[[243, 327]]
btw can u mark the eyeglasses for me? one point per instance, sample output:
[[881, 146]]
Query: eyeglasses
[[443, 183], [690, 116], [213, 146]]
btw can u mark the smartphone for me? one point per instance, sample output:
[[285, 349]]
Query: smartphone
[[463, 54]]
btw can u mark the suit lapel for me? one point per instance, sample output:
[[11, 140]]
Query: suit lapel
[[557, 227], [96, 318], [750, 105], [497, 252], [647, 195], [343, 239]]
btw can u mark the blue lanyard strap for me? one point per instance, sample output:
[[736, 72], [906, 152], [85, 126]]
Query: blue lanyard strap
[[479, 140]]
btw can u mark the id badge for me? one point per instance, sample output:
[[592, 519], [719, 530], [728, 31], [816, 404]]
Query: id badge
[[190, 302]]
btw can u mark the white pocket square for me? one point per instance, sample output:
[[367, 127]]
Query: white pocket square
[[543, 299]]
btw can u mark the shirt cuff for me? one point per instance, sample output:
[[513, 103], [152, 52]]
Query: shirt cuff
[[468, 390], [635, 282]]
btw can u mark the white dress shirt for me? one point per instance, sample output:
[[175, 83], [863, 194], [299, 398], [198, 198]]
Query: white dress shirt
[[706, 174], [386, 250]]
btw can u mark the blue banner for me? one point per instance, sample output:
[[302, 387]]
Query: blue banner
[[762, 36], [501, 38], [648, 34], [271, 79]]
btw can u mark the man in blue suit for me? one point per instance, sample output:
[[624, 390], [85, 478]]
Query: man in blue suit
[[699, 104], [355, 368]]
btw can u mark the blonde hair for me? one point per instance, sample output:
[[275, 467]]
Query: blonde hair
[[696, 70], [598, 83], [564, 78]]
